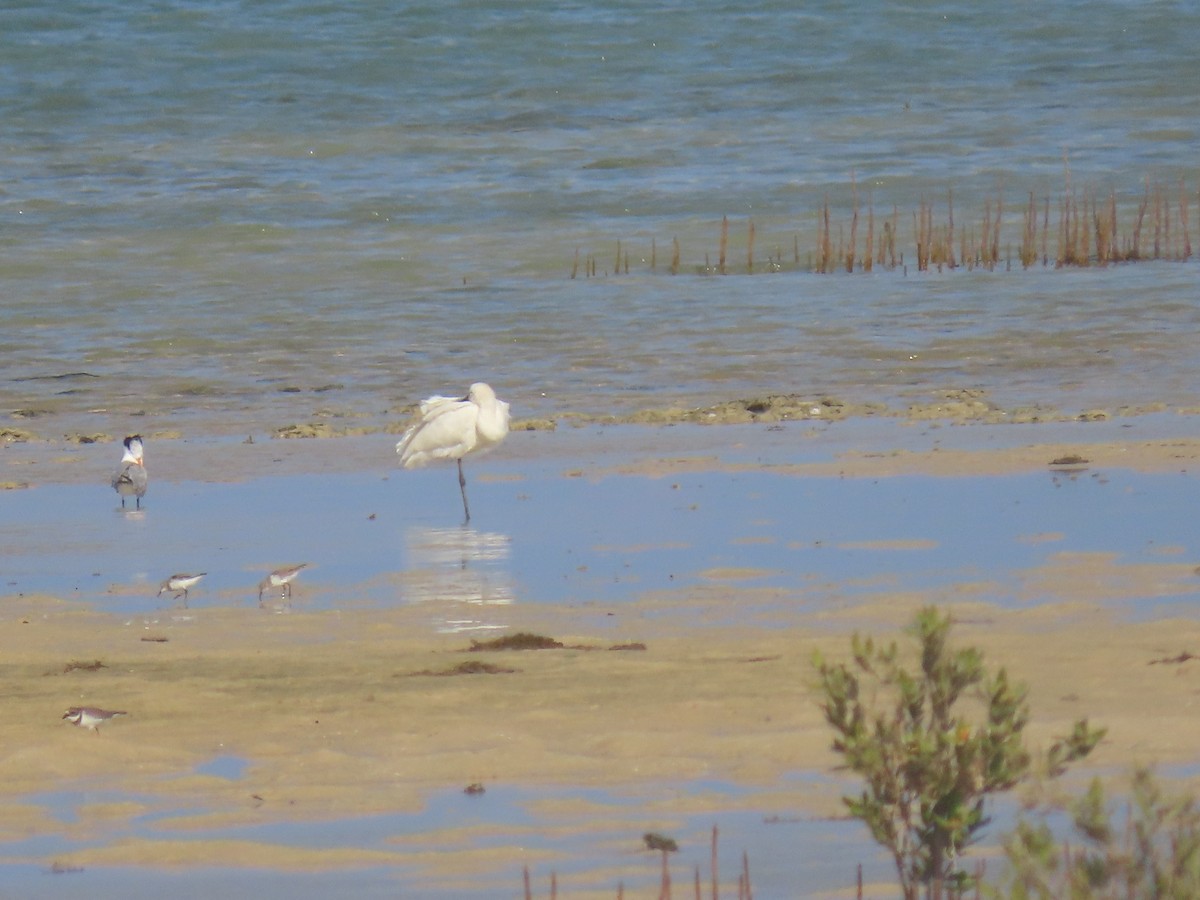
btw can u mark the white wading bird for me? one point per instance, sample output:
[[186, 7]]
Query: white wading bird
[[131, 479], [452, 427]]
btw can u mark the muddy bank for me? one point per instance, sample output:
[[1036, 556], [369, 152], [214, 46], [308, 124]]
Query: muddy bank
[[653, 444], [953, 407]]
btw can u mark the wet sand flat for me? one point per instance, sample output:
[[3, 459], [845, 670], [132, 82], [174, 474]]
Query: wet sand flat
[[335, 712], [345, 714]]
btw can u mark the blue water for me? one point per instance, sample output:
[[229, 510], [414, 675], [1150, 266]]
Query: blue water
[[384, 538], [222, 218], [240, 216], [504, 819]]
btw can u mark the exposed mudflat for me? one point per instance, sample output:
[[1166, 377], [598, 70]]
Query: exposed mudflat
[[332, 710]]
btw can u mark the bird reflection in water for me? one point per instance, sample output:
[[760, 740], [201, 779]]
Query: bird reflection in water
[[463, 573]]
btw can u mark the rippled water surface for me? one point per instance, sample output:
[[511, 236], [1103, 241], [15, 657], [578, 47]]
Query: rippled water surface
[[221, 218], [227, 217]]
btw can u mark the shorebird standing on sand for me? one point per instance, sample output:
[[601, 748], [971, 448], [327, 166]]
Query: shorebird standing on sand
[[450, 428], [91, 716], [130, 479], [180, 584], [280, 578]]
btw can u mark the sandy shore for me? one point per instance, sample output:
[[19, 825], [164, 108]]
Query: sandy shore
[[352, 713], [346, 713]]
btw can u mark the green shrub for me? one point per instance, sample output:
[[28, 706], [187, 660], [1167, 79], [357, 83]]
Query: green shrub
[[1155, 853], [928, 766]]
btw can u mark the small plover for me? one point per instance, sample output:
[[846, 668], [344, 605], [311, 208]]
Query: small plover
[[91, 716], [451, 428], [130, 479], [179, 585], [280, 578]]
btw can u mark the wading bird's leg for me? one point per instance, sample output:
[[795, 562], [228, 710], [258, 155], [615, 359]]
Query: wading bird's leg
[[462, 486]]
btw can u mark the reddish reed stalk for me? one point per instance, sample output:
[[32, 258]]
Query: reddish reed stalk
[[1158, 223], [825, 248], [853, 226], [724, 244], [1088, 232], [869, 253], [1028, 252], [1136, 251], [1183, 219], [1114, 242], [745, 892], [950, 227], [892, 237], [923, 225], [1085, 250], [715, 889], [996, 228]]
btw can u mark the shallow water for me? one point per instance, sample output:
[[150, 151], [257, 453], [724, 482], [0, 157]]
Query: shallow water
[[511, 820], [224, 221], [543, 535]]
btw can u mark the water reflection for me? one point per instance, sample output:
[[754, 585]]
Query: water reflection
[[464, 574]]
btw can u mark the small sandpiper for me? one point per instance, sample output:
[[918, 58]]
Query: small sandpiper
[[91, 716], [280, 578], [130, 479], [179, 584]]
